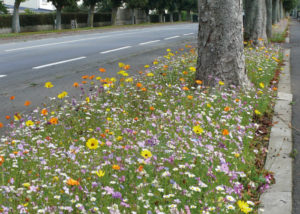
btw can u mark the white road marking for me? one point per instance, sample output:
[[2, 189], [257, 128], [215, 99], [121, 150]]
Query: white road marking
[[187, 34], [2, 76], [56, 43], [60, 62], [145, 43], [117, 49], [173, 37]]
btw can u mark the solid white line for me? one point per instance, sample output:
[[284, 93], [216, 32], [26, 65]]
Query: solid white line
[[188, 34], [57, 63], [2, 76], [117, 49], [145, 43], [56, 43], [173, 37]]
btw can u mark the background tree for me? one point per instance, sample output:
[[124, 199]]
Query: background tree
[[269, 8], [59, 4], [289, 5], [15, 18], [220, 43], [113, 5], [255, 21], [135, 4], [91, 4], [3, 9]]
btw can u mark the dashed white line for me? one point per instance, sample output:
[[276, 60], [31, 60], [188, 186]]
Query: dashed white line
[[145, 43], [173, 37], [187, 34], [117, 49], [2, 76], [60, 62]]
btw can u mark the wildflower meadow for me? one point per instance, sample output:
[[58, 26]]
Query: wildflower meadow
[[156, 142]]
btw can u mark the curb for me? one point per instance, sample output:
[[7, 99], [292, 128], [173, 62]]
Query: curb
[[278, 199]]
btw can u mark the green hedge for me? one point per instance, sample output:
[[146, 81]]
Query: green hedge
[[48, 19]]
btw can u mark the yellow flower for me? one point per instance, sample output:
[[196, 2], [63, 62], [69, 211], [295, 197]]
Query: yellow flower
[[119, 138], [121, 64], [257, 112], [62, 94], [244, 206], [29, 123], [159, 94], [208, 105], [155, 62], [146, 66], [221, 83], [27, 185], [150, 75], [48, 85], [198, 129], [113, 79], [262, 85], [55, 178], [260, 69], [193, 69], [129, 79], [146, 153], [92, 143], [87, 99], [168, 50], [100, 173]]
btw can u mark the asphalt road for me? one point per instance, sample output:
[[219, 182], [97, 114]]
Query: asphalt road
[[26, 66], [295, 77]]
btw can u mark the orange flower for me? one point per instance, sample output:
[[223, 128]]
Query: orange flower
[[185, 72], [75, 84], [190, 97], [141, 168], [227, 108], [1, 160], [185, 88], [85, 77], [102, 70], [72, 182], [116, 167], [237, 100], [103, 135], [164, 74], [181, 79], [199, 82], [126, 67], [225, 132], [84, 82], [136, 118], [54, 120], [274, 89], [151, 108], [165, 66], [106, 130], [7, 117], [144, 89], [92, 77], [1, 125], [44, 112], [27, 103], [139, 85], [12, 98]]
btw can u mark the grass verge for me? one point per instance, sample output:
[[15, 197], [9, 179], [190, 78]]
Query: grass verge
[[148, 144]]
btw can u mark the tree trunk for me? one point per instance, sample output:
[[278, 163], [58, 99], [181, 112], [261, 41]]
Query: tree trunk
[[91, 15], [188, 15], [269, 18], [160, 17], [114, 15], [171, 17], [256, 21], [220, 43], [179, 16], [15, 18], [58, 18], [278, 11], [132, 16], [275, 5]]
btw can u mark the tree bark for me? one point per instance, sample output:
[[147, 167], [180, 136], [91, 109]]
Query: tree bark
[[132, 16], [188, 15], [275, 5], [179, 16], [255, 21], [58, 18], [220, 43], [114, 15], [160, 17], [278, 11], [91, 15], [171, 17], [15, 19], [269, 18]]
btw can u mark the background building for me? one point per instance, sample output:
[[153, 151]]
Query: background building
[[34, 5]]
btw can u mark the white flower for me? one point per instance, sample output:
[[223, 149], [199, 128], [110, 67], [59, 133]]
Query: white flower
[[219, 188], [93, 199], [250, 203], [230, 207], [230, 198], [57, 197]]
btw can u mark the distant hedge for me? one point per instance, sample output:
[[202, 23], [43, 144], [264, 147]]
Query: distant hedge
[[48, 19]]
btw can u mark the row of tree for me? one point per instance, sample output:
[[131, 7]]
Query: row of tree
[[146, 5], [220, 37]]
